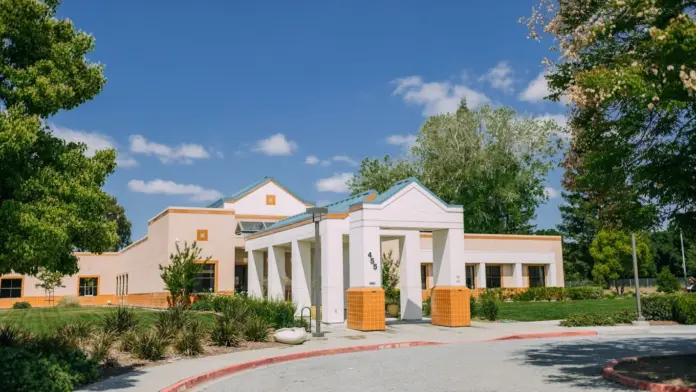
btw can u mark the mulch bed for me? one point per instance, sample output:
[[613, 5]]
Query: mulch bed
[[678, 370], [124, 362]]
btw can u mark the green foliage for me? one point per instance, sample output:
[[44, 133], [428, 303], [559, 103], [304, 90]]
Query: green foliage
[[100, 345], [75, 332], [69, 301], [427, 307], [658, 307], [277, 313], [301, 323], [120, 320], [584, 292], [49, 280], [685, 309], [667, 282], [21, 305], [489, 307], [226, 332], [150, 344], [256, 328], [587, 320], [172, 321], [116, 213], [474, 307], [31, 363], [180, 274], [541, 294], [624, 316], [128, 340], [497, 170], [390, 278], [612, 252], [190, 340]]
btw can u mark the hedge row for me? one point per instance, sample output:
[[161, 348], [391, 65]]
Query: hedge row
[[671, 307], [546, 293]]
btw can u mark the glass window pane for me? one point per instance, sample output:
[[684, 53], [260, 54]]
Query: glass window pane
[[424, 277], [493, 276], [88, 287], [470, 277], [537, 276], [205, 282], [11, 288]]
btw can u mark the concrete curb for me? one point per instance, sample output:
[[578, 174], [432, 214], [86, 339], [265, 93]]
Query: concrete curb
[[610, 374], [193, 381], [546, 335]]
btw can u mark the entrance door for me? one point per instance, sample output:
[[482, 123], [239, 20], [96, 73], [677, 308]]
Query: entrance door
[[240, 278]]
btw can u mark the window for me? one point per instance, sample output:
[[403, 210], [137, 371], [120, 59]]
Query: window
[[424, 276], [126, 285], [470, 277], [118, 285], [88, 287], [202, 235], [11, 288], [493, 276], [270, 200], [205, 282], [537, 276]]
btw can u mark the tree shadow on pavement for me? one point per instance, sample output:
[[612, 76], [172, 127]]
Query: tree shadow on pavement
[[579, 363]]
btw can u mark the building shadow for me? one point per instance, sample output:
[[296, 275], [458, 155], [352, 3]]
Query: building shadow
[[579, 363]]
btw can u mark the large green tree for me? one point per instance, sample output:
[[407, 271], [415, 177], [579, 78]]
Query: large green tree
[[612, 251], [492, 161], [116, 213], [628, 69], [51, 201]]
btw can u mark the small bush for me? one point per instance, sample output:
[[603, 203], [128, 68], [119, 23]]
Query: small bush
[[473, 306], [580, 293], [658, 307], [190, 340], [21, 305], [69, 301], [150, 345], [100, 346], [685, 309], [587, 320], [236, 311], [489, 308], [75, 332], [203, 304], [256, 329], [624, 316], [128, 340], [301, 323], [120, 320], [667, 282], [172, 321], [226, 333], [11, 336], [427, 307]]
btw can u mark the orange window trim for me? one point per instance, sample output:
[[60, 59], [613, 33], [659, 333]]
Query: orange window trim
[[21, 285], [89, 276], [202, 235]]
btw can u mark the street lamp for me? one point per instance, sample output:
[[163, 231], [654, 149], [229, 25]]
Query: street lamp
[[317, 214], [641, 319]]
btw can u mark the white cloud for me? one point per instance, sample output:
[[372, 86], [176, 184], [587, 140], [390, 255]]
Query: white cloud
[[311, 160], [560, 119], [406, 141], [344, 158], [551, 193], [325, 162], [537, 90], [437, 97], [196, 192], [500, 77], [336, 183], [95, 141], [276, 145], [184, 153]]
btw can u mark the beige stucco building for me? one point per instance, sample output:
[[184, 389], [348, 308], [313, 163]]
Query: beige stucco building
[[263, 225]]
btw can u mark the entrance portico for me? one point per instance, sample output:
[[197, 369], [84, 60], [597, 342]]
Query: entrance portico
[[351, 272]]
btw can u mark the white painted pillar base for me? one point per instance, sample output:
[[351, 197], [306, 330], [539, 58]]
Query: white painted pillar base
[[481, 278], [332, 296], [448, 253], [276, 272], [552, 281], [409, 277], [365, 249], [517, 274], [301, 274], [255, 273]]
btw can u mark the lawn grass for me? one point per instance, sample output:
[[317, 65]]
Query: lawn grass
[[47, 320], [559, 310]]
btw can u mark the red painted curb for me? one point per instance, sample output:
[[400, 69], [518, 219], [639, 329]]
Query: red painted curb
[[547, 335], [193, 381], [610, 374]]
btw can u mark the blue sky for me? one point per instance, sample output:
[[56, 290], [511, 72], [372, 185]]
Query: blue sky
[[204, 98]]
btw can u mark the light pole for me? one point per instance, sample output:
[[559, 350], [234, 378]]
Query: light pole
[[635, 274], [317, 213], [686, 279]]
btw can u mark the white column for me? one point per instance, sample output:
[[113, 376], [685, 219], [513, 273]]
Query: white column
[[255, 273], [409, 277], [552, 282], [448, 257], [517, 274], [276, 272], [301, 273], [365, 257], [332, 296], [481, 272]]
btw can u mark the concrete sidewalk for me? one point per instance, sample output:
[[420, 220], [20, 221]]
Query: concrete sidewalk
[[338, 336]]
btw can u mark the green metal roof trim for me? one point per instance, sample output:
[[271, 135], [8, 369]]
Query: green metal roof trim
[[398, 186], [244, 191]]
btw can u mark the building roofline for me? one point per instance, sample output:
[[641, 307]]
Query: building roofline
[[235, 197]]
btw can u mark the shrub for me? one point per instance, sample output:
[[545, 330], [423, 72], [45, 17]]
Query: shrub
[[658, 307], [128, 340], [236, 310], [172, 321], [100, 345], [489, 307], [226, 333], [11, 336], [256, 329], [667, 282], [180, 274], [75, 332], [120, 320], [202, 304], [685, 309], [69, 301], [301, 323], [587, 320], [588, 292], [427, 307], [190, 340], [150, 345], [21, 305], [624, 316]]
